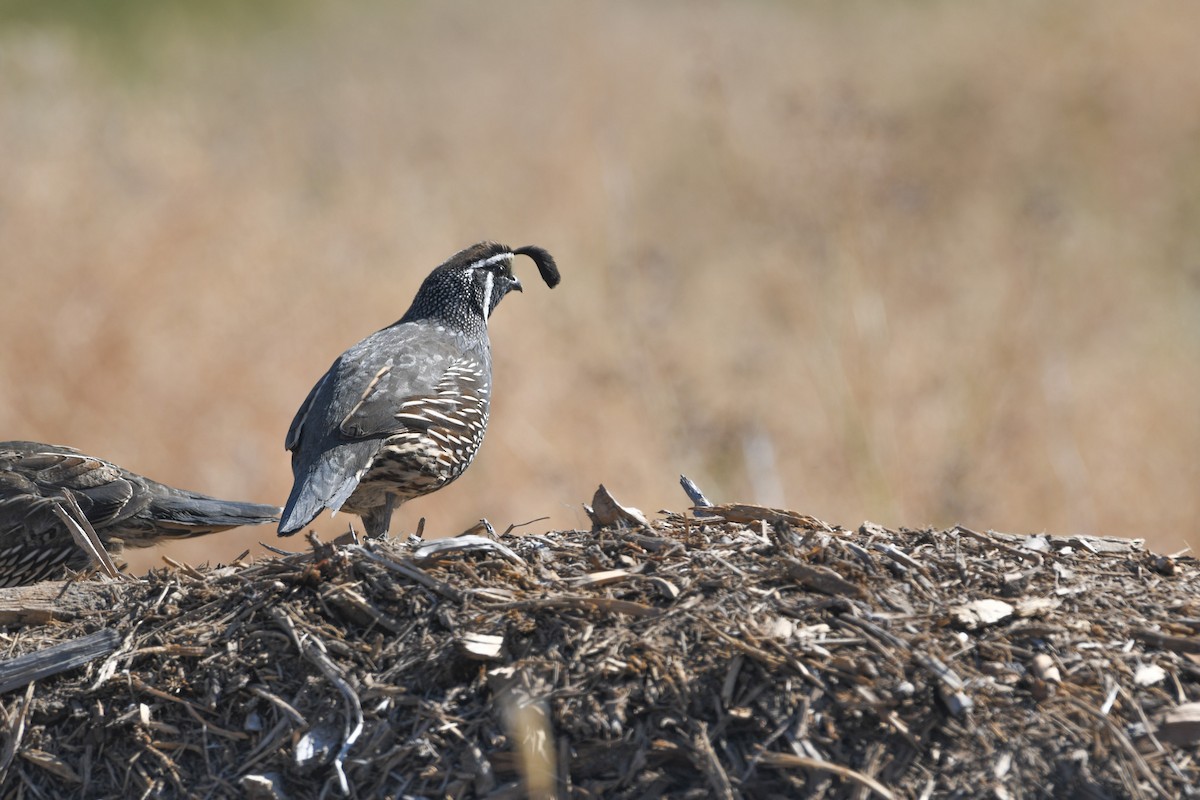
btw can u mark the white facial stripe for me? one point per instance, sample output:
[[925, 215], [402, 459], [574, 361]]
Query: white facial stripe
[[488, 281], [487, 262]]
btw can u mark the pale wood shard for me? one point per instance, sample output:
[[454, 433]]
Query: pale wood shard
[[1037, 606], [602, 578], [482, 646], [710, 763], [263, 787], [182, 567], [1180, 726], [1148, 675], [443, 548], [606, 512], [60, 601], [981, 613], [1043, 667], [664, 587]]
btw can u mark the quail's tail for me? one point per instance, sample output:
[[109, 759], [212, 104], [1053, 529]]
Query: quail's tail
[[298, 513], [327, 483], [306, 502], [183, 514]]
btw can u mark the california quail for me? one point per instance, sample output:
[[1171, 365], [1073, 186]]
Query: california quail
[[402, 413], [124, 509]]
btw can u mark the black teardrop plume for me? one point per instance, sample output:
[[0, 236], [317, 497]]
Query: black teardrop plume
[[545, 263]]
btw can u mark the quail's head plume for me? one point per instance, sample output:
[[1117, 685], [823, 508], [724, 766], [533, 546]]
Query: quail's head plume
[[124, 508], [403, 412]]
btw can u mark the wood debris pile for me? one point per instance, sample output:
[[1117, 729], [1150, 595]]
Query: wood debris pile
[[745, 653]]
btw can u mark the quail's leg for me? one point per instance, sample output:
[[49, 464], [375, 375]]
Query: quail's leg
[[377, 521]]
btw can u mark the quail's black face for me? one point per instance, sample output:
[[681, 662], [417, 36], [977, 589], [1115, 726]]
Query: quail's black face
[[470, 293], [466, 289], [490, 283]]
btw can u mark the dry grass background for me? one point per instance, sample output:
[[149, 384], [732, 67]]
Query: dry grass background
[[918, 263]]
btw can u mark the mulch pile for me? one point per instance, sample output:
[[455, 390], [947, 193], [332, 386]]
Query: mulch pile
[[749, 652]]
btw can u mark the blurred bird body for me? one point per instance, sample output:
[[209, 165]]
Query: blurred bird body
[[403, 412], [124, 508]]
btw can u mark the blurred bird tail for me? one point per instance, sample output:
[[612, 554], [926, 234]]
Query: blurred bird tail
[[196, 513]]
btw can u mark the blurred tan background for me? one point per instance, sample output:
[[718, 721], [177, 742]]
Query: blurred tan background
[[916, 263]]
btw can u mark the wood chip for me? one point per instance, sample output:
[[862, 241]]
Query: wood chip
[[822, 579], [1148, 675], [481, 646], [604, 578], [1044, 668], [1180, 726], [19, 671], [980, 614], [268, 786], [749, 514], [1036, 606], [56, 601], [606, 512], [442, 548], [664, 587], [1178, 644]]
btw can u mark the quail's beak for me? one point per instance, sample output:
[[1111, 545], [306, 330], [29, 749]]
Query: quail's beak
[[514, 285]]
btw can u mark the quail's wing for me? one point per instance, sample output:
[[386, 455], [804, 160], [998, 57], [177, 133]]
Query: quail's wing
[[105, 493], [297, 427], [351, 377], [24, 512], [451, 405], [34, 545], [375, 385]]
